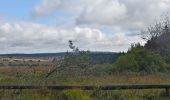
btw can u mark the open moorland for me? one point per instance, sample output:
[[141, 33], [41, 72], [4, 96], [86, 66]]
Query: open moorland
[[37, 76]]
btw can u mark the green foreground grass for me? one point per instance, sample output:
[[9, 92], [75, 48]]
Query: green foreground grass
[[78, 79], [44, 94]]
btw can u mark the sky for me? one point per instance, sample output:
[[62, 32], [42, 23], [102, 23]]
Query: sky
[[46, 26]]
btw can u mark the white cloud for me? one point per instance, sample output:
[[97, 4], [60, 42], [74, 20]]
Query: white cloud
[[102, 12], [46, 7], [17, 37], [87, 17], [117, 13]]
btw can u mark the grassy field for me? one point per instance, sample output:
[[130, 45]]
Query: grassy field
[[24, 75]]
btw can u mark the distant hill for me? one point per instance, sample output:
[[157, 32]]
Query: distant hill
[[96, 57], [36, 55]]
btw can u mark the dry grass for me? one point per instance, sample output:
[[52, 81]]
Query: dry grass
[[115, 79], [23, 69], [22, 60]]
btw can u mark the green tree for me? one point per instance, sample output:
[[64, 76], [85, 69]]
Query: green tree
[[73, 61], [140, 59], [76, 58]]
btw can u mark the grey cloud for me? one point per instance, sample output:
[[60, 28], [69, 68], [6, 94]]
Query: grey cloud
[[103, 12], [26, 37], [122, 14], [123, 17], [130, 14]]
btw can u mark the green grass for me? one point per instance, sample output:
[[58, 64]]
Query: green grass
[[80, 79], [44, 94]]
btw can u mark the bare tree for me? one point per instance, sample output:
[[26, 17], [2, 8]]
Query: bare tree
[[155, 30], [75, 59], [74, 48], [157, 37]]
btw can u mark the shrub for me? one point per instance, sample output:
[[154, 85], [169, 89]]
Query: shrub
[[141, 60], [103, 69], [73, 95]]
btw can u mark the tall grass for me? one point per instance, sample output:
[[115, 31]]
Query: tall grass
[[83, 79], [44, 94]]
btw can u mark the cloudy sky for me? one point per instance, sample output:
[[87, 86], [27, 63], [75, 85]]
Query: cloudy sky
[[37, 26]]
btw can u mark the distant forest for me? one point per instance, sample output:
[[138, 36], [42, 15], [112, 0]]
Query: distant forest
[[96, 57]]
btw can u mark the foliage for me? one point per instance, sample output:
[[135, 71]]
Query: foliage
[[72, 62], [80, 59], [44, 94], [102, 69], [103, 57], [157, 38], [157, 29], [75, 62], [73, 95], [119, 78], [140, 59]]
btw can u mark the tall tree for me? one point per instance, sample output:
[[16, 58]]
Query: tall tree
[[72, 61], [157, 38], [76, 57]]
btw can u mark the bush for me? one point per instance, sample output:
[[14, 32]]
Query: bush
[[73, 95], [140, 59], [103, 69]]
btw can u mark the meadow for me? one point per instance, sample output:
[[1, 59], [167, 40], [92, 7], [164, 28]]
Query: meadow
[[23, 75]]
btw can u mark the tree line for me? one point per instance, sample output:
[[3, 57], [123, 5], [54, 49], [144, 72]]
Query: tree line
[[152, 57]]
